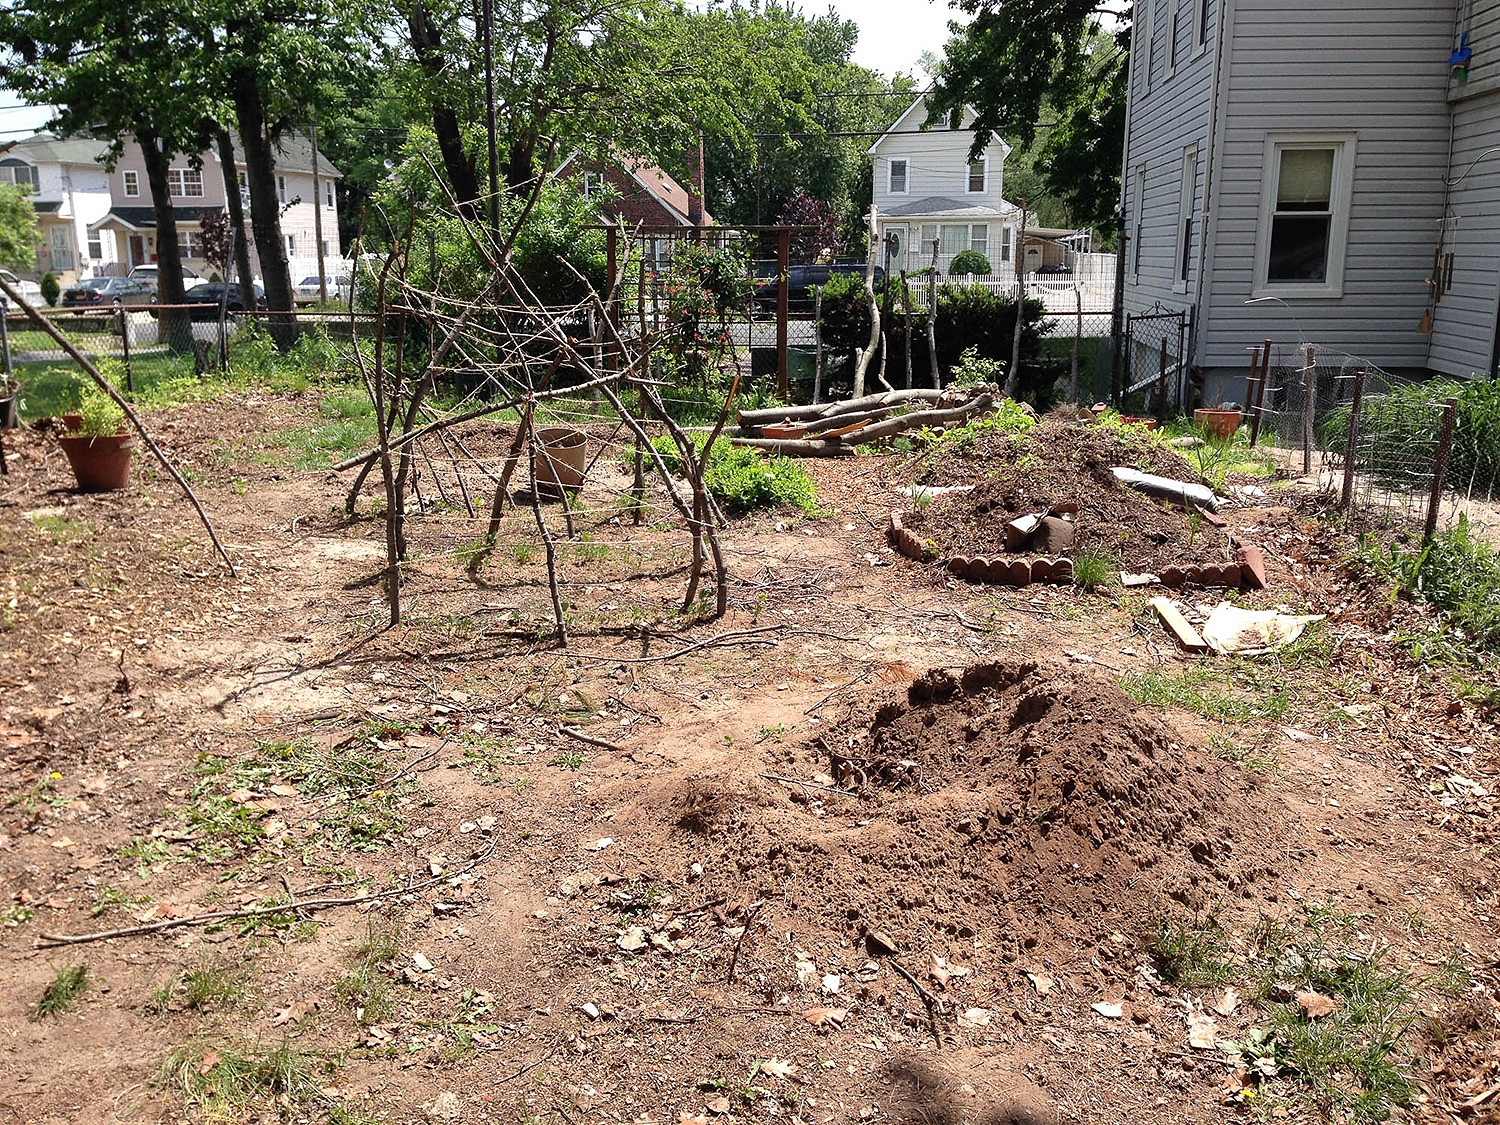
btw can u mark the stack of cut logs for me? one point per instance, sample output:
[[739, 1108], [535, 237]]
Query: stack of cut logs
[[833, 429]]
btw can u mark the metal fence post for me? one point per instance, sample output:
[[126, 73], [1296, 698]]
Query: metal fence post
[[1309, 397], [125, 349], [1440, 469], [1346, 494], [1259, 406], [1252, 381]]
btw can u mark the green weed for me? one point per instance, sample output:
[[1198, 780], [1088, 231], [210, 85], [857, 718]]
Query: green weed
[[1458, 573], [1202, 690], [66, 986], [367, 987], [1094, 570], [235, 1084]]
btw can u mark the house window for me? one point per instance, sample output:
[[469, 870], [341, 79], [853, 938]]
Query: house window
[[190, 244], [281, 190], [96, 246], [1138, 204], [324, 245], [1173, 12], [185, 182], [979, 171], [1150, 29], [896, 179], [291, 246], [244, 189], [592, 181], [132, 183], [1007, 243], [1305, 214], [1204, 8], [327, 193], [952, 238], [1186, 199], [979, 239], [18, 172]]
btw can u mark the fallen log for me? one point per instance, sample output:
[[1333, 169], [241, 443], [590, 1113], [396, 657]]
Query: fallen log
[[920, 418], [792, 447], [842, 421], [756, 418]]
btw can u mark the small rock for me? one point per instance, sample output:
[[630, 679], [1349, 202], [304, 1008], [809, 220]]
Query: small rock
[[421, 962], [831, 984], [879, 943], [632, 940], [447, 1106], [1108, 1010], [590, 1009]]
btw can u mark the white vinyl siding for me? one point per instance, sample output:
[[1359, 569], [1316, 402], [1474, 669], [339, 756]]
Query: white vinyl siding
[[1382, 90], [896, 177]]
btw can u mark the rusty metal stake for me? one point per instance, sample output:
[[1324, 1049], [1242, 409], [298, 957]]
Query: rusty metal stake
[[1440, 469], [1260, 392], [1347, 492]]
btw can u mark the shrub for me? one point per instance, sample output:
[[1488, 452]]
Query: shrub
[[51, 290], [742, 479], [101, 417], [967, 262]]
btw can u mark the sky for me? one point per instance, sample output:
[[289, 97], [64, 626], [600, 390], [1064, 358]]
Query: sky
[[893, 33]]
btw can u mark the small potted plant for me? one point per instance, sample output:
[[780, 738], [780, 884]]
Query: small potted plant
[[98, 447], [1220, 422]]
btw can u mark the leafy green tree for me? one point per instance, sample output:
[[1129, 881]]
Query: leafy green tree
[[18, 230], [115, 70], [1017, 58]]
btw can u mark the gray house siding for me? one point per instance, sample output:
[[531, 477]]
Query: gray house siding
[[1168, 113], [1373, 69], [1464, 319]]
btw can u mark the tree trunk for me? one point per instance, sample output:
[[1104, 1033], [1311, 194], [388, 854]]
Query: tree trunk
[[236, 210], [265, 207], [427, 45], [176, 326]]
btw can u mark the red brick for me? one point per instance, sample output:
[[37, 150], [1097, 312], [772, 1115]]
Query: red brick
[[1252, 567]]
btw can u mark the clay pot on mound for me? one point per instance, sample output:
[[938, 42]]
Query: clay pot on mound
[[100, 464]]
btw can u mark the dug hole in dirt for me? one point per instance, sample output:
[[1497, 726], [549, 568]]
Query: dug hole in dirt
[[1032, 805]]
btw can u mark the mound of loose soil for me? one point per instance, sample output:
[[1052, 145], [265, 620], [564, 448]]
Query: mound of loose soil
[[1064, 461], [1039, 800]]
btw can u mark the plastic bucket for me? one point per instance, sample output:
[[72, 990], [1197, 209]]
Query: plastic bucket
[[561, 457], [101, 464]]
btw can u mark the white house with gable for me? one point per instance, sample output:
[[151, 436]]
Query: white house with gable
[[69, 189], [927, 188]]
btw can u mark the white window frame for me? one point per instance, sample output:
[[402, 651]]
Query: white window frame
[[132, 181], [291, 245], [592, 182], [190, 244], [1007, 243], [1174, 12], [1138, 202], [1341, 195], [281, 190], [179, 183], [979, 239], [1187, 201], [890, 176], [244, 181], [984, 162], [1150, 52], [1201, 10], [328, 193], [96, 245]]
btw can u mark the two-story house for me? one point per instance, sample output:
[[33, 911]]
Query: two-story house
[[1317, 171], [69, 190], [131, 220], [927, 188]]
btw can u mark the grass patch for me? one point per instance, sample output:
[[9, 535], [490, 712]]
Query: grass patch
[[347, 427], [367, 988], [1457, 573], [237, 1084], [1348, 1061], [1207, 692], [1094, 570], [66, 986]]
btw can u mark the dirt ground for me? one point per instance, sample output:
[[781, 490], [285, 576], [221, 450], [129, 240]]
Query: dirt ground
[[879, 845]]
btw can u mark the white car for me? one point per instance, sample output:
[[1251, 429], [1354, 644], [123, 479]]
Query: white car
[[30, 291], [147, 273], [307, 290]]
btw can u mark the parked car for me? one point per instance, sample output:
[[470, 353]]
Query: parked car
[[148, 274], [30, 291], [307, 290], [213, 292], [100, 292], [802, 279]]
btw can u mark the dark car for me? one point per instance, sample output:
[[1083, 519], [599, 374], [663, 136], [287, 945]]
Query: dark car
[[214, 292], [801, 280], [99, 292]]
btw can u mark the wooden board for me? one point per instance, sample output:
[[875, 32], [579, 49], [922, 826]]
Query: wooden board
[[1179, 625]]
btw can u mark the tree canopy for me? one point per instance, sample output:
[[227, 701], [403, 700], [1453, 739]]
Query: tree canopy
[[18, 238], [1054, 67]]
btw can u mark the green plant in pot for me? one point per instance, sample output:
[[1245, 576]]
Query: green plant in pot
[[99, 446]]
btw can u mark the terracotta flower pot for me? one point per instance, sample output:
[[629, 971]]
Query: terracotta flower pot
[[561, 459], [101, 464], [1220, 423]]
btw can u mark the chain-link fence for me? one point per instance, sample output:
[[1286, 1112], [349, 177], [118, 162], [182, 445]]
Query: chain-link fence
[[1155, 370]]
